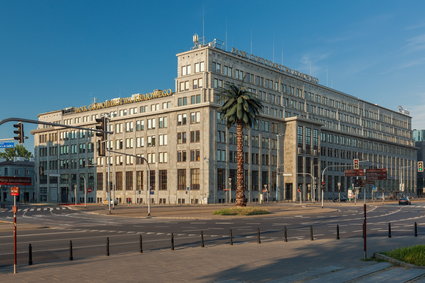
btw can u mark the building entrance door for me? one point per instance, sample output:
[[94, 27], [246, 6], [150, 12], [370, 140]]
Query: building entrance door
[[64, 195], [288, 191]]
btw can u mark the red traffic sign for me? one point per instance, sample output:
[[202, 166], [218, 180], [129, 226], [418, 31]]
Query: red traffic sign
[[14, 191], [89, 190]]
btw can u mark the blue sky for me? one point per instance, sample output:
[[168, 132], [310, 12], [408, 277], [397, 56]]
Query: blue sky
[[56, 54]]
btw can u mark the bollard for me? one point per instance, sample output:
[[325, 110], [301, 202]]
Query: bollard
[[311, 233], [337, 232], [285, 234], [107, 246], [29, 254], [202, 239], [389, 230], [258, 235], [231, 237], [71, 257], [141, 243], [172, 241], [416, 229]]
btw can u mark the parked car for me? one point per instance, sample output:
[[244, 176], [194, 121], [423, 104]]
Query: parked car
[[343, 199], [404, 201]]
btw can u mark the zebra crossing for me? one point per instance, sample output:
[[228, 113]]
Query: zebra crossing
[[36, 210]]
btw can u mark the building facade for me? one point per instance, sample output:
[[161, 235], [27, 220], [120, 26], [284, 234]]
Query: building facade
[[305, 131], [14, 170], [419, 138]]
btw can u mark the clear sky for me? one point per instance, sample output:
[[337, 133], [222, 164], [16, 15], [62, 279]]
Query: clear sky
[[55, 54]]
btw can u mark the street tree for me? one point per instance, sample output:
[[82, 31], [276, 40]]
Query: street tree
[[241, 108], [17, 151]]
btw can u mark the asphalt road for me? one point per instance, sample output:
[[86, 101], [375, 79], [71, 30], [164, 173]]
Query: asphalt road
[[57, 226]]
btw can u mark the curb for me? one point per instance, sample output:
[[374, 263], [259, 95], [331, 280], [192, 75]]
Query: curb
[[396, 261]]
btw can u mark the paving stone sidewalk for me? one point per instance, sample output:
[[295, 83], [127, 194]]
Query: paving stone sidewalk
[[297, 261]]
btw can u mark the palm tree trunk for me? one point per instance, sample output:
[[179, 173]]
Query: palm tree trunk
[[240, 188]]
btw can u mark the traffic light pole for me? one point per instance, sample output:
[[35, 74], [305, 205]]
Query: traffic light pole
[[148, 198], [333, 166]]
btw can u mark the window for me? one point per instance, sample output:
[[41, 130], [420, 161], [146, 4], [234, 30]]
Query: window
[[118, 128], [151, 123], [182, 101], [118, 181], [186, 70], [194, 179], [194, 99], [300, 136], [162, 180], [195, 136], [195, 155], [181, 119], [195, 117], [129, 126], [197, 83], [199, 67], [140, 125], [163, 139], [118, 144], [151, 158], [163, 122], [119, 160], [217, 83], [181, 137], [143, 109], [181, 156], [129, 143], [181, 179], [129, 180], [163, 157], [151, 140], [140, 142]]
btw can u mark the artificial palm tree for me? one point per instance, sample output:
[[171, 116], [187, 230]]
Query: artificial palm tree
[[240, 107]]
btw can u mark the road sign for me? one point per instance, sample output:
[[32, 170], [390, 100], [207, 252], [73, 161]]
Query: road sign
[[23, 181], [376, 174], [152, 192], [354, 172], [89, 190], [7, 145], [14, 191]]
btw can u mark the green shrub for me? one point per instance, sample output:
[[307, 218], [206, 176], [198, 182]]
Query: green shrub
[[241, 211]]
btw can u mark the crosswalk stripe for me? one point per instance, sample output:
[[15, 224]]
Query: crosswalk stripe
[[38, 209]]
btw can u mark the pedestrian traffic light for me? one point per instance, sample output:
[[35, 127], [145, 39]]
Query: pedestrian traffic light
[[19, 132], [356, 164], [420, 166]]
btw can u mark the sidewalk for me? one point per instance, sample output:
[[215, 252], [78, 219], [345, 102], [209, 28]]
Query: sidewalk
[[247, 262]]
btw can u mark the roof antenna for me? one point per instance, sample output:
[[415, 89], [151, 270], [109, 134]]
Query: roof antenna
[[225, 42], [251, 41], [203, 25]]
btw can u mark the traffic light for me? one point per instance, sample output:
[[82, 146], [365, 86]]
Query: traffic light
[[323, 185], [102, 126], [356, 164], [19, 132], [420, 166]]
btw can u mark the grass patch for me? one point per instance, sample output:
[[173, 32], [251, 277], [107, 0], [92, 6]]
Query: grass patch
[[414, 255], [241, 211]]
